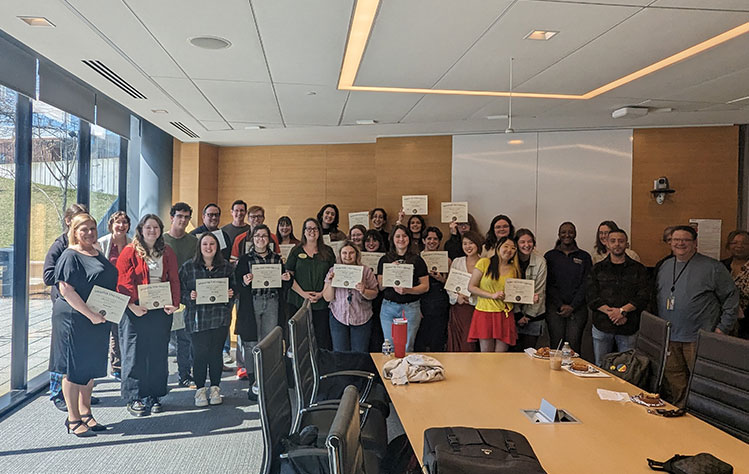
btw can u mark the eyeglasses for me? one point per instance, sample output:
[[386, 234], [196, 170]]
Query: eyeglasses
[[213, 214], [311, 229], [261, 236], [673, 239], [256, 216]]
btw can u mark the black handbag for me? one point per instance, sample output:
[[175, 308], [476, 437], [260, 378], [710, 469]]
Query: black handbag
[[703, 463], [460, 450], [630, 365]]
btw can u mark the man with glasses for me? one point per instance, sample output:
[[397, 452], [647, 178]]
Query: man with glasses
[[693, 292], [211, 219], [242, 242], [184, 246], [237, 224]]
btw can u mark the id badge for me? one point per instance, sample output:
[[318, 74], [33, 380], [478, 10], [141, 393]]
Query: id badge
[[670, 303]]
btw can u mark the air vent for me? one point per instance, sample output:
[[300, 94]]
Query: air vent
[[185, 130], [114, 78]]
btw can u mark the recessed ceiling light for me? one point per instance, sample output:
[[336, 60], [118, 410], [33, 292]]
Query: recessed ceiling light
[[311, 93], [366, 122], [36, 21], [540, 35], [496, 117], [737, 100], [515, 142], [253, 127], [210, 42], [160, 111]]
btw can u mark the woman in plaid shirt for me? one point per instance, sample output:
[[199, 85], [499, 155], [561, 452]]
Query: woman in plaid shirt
[[207, 324]]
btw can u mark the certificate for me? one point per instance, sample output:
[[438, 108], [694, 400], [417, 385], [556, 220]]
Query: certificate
[[286, 250], [358, 218], [398, 274], [337, 245], [436, 261], [212, 290], [457, 282], [108, 303], [371, 259], [155, 295], [519, 291], [266, 275], [346, 276], [416, 204], [179, 319], [220, 236], [326, 239], [454, 212]]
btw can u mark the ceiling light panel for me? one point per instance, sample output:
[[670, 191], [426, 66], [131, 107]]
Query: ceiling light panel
[[418, 60], [38, 21], [540, 35]]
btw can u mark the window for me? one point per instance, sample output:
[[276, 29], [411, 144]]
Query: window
[[105, 175], [7, 201], [54, 176]]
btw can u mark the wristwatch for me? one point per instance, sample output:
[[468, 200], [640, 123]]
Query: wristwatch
[[623, 311]]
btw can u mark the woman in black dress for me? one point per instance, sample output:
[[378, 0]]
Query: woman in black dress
[[79, 269]]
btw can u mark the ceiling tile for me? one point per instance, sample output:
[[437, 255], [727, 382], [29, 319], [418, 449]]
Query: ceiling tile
[[738, 5], [190, 97], [242, 101], [300, 106], [444, 108], [385, 107]]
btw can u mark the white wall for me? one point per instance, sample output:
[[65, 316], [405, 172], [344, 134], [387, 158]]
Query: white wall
[[549, 178]]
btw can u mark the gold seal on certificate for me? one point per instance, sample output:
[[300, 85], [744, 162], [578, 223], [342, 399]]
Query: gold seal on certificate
[[286, 250], [417, 204], [346, 276], [457, 282], [371, 259], [108, 303], [398, 274], [454, 212], [212, 290], [358, 218], [266, 275], [436, 261], [220, 236], [155, 295], [519, 291]]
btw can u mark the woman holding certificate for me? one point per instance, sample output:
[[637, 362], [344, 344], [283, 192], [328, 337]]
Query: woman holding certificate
[[285, 231], [379, 219], [435, 304], [454, 245], [150, 277], [260, 298], [461, 311], [530, 317], [79, 269], [373, 243], [500, 227], [402, 300], [308, 264], [350, 307], [493, 323], [356, 236], [207, 287], [329, 217]]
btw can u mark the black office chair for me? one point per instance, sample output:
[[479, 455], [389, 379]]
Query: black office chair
[[718, 390], [301, 336], [652, 341], [345, 453]]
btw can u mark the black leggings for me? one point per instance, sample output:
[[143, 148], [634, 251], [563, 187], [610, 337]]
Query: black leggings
[[207, 357]]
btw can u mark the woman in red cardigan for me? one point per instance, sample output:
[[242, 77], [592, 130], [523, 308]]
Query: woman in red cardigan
[[144, 331]]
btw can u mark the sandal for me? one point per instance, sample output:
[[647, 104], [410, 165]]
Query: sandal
[[75, 424], [97, 427]]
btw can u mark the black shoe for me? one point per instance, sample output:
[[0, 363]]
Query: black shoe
[[187, 382], [59, 403], [95, 400], [252, 392], [155, 404], [137, 408], [74, 425], [97, 427]]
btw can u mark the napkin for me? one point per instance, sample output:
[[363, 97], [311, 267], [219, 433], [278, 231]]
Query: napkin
[[613, 396]]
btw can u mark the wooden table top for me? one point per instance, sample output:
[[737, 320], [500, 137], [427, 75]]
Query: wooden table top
[[490, 390]]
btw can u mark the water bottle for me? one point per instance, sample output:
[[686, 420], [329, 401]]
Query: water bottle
[[566, 354], [387, 348]]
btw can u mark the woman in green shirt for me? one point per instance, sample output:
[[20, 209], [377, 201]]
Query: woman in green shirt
[[308, 264]]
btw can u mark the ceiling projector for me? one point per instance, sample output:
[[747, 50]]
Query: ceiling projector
[[632, 112]]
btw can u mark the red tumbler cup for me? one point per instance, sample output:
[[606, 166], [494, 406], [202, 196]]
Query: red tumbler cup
[[400, 335]]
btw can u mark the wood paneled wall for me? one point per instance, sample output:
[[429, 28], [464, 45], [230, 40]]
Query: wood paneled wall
[[194, 177], [701, 164], [297, 180]]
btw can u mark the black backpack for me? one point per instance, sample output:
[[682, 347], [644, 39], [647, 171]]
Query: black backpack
[[630, 365], [461, 450]]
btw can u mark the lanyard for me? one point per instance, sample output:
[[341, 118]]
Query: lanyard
[[676, 277]]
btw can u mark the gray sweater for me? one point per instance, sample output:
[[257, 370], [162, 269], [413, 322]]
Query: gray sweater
[[705, 297]]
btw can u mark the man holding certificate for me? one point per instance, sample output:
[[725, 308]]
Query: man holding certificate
[[401, 297], [145, 328], [260, 276], [207, 287], [350, 289]]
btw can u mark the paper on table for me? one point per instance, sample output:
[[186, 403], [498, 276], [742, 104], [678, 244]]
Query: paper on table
[[454, 212], [358, 218], [346, 276], [108, 303], [529, 351], [417, 204], [394, 274], [613, 396], [220, 236], [371, 259], [212, 290], [598, 374]]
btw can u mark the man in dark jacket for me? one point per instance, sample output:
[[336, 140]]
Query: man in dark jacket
[[618, 290]]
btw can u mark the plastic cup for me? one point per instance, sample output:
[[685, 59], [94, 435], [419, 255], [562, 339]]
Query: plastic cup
[[555, 360]]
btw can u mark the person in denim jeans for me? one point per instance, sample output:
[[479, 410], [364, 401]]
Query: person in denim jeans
[[399, 301]]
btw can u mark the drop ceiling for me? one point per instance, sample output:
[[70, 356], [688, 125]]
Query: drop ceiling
[[282, 68]]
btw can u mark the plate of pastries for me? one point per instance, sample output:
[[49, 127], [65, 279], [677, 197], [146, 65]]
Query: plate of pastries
[[648, 399], [582, 367], [543, 353]]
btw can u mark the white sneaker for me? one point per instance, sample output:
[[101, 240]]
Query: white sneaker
[[201, 397], [215, 396]]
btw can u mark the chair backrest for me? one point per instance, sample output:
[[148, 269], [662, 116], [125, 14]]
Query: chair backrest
[[652, 340], [719, 385], [273, 397], [345, 453], [301, 358]]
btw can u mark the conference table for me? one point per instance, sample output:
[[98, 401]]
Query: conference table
[[490, 390]]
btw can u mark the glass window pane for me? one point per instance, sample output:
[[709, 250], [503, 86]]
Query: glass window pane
[[7, 202], [54, 176], [105, 175]]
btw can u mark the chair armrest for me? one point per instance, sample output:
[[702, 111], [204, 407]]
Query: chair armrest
[[305, 452], [354, 373]]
